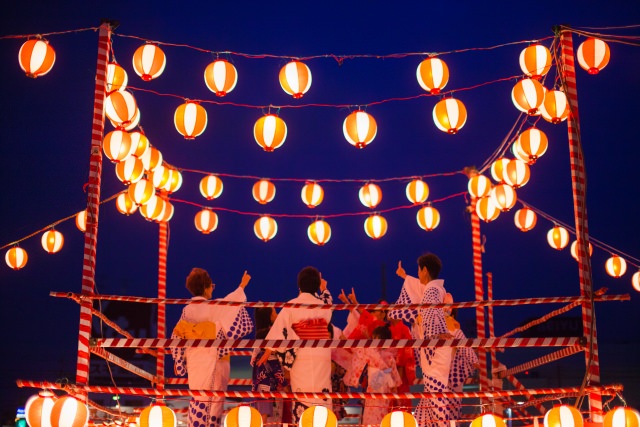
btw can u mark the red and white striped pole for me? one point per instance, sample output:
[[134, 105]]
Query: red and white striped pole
[[162, 294]]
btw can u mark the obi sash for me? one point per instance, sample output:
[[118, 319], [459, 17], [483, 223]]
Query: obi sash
[[312, 329], [200, 330]]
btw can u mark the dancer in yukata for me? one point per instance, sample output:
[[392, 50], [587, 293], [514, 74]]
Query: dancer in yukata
[[201, 364]]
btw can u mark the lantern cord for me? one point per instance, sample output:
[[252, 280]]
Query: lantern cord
[[55, 33]]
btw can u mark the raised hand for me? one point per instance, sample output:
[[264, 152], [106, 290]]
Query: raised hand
[[342, 297], [352, 297], [245, 280], [400, 271]]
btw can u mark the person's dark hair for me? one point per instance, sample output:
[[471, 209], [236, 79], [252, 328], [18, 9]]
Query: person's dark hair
[[263, 323], [197, 281], [382, 332], [309, 280], [454, 313], [432, 263]]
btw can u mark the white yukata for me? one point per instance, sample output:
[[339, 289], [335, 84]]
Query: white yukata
[[310, 368], [201, 363], [428, 323], [463, 363]]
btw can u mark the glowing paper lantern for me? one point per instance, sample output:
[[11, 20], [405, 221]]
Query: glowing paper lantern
[[139, 143], [312, 194], [370, 195], [270, 131], [149, 61], [319, 232], [535, 61], [243, 416], [130, 170], [558, 237], [121, 108], [497, 169], [151, 159], [175, 181], [36, 57], [220, 77], [527, 95], [517, 173], [157, 415], [486, 209], [432, 75], [206, 221], [159, 177], [125, 205], [428, 218], [574, 249], [141, 191], [265, 228], [211, 187], [152, 209], [135, 121], [295, 78], [68, 411], [375, 226], [616, 266], [37, 409], [450, 115], [117, 145], [117, 78], [479, 186], [635, 281], [190, 119], [167, 211], [81, 220], [525, 219], [318, 416], [503, 196], [563, 416], [16, 258], [622, 417], [52, 241], [593, 55], [555, 108], [263, 191], [533, 142], [359, 128], [398, 419], [417, 191], [488, 420]]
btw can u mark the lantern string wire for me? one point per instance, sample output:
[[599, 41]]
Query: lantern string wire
[[54, 33]]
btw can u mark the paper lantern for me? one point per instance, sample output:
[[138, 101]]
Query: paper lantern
[[135, 121], [175, 181], [359, 128], [139, 143], [616, 266], [488, 420], [375, 226], [450, 115], [312, 194], [432, 75], [479, 186], [211, 187], [141, 191], [574, 249], [398, 419], [270, 131], [558, 237], [527, 95], [157, 415], [52, 241], [159, 177], [265, 228], [555, 107], [428, 218], [635, 281], [243, 416], [117, 145], [121, 108], [152, 209], [295, 78], [486, 209], [151, 159], [535, 61], [36, 57], [68, 411], [149, 61], [319, 232], [116, 78], [593, 55], [220, 77], [81, 220], [417, 191], [563, 416], [16, 258], [125, 205], [503, 196], [130, 170], [622, 416], [497, 169], [167, 211], [525, 219], [263, 191], [190, 119], [517, 173], [370, 195], [533, 142], [37, 409], [318, 416], [206, 221]]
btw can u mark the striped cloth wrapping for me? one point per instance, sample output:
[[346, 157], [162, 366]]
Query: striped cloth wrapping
[[312, 329]]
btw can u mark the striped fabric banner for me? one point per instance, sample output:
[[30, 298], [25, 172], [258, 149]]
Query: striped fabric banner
[[163, 230]]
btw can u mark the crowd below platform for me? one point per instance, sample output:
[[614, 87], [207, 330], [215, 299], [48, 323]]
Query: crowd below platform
[[322, 370]]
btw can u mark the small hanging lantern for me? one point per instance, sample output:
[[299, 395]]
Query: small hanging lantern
[[81, 220], [428, 218], [265, 228], [152, 209], [243, 416], [211, 187], [479, 186], [558, 237], [616, 266], [139, 143], [263, 191], [175, 181], [36, 57], [312, 194], [517, 173], [433, 75], [533, 142], [68, 411], [399, 419], [503, 196], [635, 280], [359, 128], [525, 219], [141, 191], [497, 169], [37, 409], [220, 77], [527, 95], [574, 249], [319, 232], [318, 416], [270, 131], [167, 211], [622, 416], [117, 78], [124, 204], [16, 258], [486, 209], [52, 241], [206, 221], [159, 177], [593, 55], [563, 416], [450, 115], [555, 108], [488, 420], [130, 125], [375, 226], [157, 415], [117, 145], [151, 159], [535, 61], [295, 78], [149, 61], [417, 191], [121, 108], [370, 195], [190, 119], [130, 170]]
